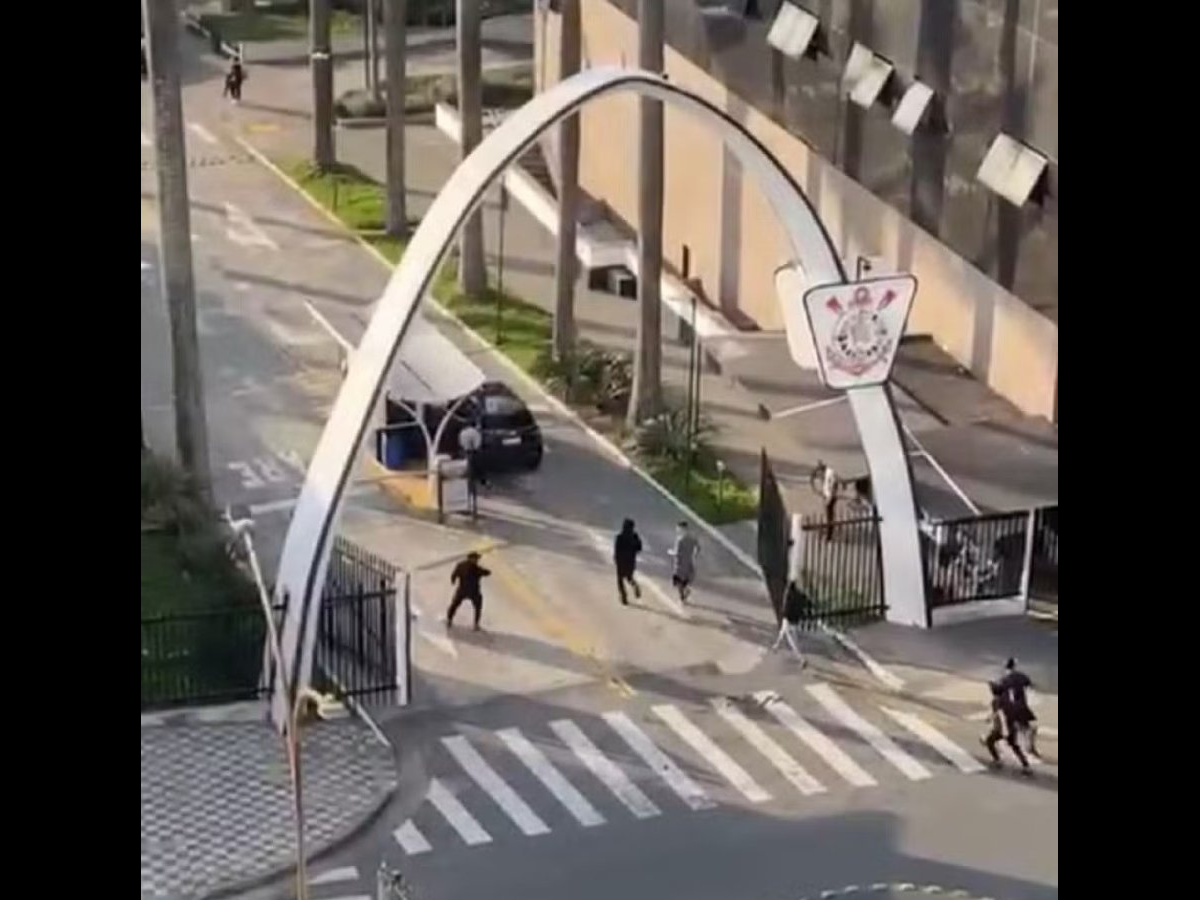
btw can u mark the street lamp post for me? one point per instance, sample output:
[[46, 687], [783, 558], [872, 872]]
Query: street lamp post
[[500, 266], [242, 528]]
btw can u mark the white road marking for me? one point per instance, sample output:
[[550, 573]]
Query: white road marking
[[441, 641], [287, 504], [410, 839], [332, 876], [576, 804], [353, 897], [456, 814], [609, 774], [961, 759], [835, 756], [766, 745], [241, 229], [951, 483], [714, 755], [495, 786], [203, 133], [250, 479], [146, 142], [869, 732], [679, 781]]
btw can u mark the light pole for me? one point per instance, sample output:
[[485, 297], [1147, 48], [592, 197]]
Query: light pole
[[243, 529], [500, 266]]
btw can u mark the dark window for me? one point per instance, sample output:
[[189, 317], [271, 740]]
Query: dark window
[[500, 411]]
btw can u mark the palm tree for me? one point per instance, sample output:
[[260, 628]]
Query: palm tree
[[472, 276], [175, 238], [324, 154], [568, 191], [647, 362], [395, 24]]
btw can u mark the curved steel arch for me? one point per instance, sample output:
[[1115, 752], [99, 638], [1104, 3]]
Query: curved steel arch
[[306, 548]]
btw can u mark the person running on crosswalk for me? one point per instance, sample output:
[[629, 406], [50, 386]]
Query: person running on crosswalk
[[684, 553], [794, 604], [1017, 684], [1003, 726], [466, 578]]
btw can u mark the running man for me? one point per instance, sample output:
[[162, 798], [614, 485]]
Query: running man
[[1003, 726], [626, 547], [684, 553], [1017, 684]]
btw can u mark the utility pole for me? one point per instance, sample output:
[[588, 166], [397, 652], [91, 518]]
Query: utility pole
[[472, 276], [647, 361], [395, 27], [568, 190], [321, 64], [175, 238]]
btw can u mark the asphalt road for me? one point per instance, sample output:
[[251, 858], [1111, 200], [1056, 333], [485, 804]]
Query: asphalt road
[[557, 647]]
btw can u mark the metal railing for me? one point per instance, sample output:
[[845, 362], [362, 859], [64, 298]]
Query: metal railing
[[841, 572], [974, 558], [208, 656], [1043, 561]]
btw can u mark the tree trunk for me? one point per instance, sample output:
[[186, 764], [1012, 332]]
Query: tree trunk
[[472, 276], [566, 267], [175, 238], [324, 152], [395, 24], [647, 368]]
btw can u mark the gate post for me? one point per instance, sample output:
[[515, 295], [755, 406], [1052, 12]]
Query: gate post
[[402, 646], [1027, 569]]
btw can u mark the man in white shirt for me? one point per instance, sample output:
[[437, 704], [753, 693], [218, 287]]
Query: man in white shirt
[[829, 486]]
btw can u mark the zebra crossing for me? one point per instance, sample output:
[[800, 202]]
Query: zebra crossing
[[593, 771]]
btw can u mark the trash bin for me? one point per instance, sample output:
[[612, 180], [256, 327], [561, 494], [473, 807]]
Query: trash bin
[[390, 449]]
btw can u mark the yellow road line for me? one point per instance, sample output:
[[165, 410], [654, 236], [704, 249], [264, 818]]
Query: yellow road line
[[552, 624]]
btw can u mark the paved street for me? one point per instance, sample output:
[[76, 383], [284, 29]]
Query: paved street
[[575, 748]]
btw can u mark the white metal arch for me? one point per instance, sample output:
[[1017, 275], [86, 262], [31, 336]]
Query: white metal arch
[[310, 534]]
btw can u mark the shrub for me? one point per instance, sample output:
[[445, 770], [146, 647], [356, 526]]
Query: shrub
[[169, 499], [666, 436], [589, 375]]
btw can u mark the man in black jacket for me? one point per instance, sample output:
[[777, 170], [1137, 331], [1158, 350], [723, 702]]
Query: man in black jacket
[[466, 578], [626, 548]]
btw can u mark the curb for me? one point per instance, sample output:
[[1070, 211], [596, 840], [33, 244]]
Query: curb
[[887, 678], [880, 887], [362, 122]]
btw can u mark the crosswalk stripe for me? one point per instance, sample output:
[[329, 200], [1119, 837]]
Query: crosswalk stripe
[[352, 897], [411, 840], [608, 773], [689, 792], [333, 876], [959, 757], [497, 788], [715, 756], [838, 759], [456, 814], [887, 748], [576, 804], [766, 745]]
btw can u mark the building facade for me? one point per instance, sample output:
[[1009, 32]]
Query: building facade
[[925, 133]]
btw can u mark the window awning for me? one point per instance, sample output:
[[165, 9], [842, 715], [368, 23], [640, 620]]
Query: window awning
[[430, 368], [866, 75], [912, 107], [1011, 169]]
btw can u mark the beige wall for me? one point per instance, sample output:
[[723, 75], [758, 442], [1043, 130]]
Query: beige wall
[[737, 244]]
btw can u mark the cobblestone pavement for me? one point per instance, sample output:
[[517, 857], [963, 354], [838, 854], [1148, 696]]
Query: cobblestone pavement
[[216, 802]]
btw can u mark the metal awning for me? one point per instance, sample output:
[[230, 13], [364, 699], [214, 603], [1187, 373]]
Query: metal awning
[[430, 368]]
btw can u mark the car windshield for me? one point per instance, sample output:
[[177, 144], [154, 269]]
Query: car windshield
[[500, 411]]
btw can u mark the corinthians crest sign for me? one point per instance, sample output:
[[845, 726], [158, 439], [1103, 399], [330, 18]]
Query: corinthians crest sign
[[857, 327]]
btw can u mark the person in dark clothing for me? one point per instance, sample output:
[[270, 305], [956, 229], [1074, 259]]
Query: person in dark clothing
[[626, 547], [233, 81], [1017, 684], [466, 578], [1002, 725]]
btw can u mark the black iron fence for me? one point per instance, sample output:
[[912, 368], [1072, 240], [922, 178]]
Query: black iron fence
[[358, 633], [773, 534], [841, 572], [1043, 562], [974, 558], [209, 656]]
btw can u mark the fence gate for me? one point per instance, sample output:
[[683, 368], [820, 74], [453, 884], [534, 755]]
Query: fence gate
[[363, 640], [841, 568], [975, 558], [1043, 562]]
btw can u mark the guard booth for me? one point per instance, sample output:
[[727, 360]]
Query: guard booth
[[430, 379]]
